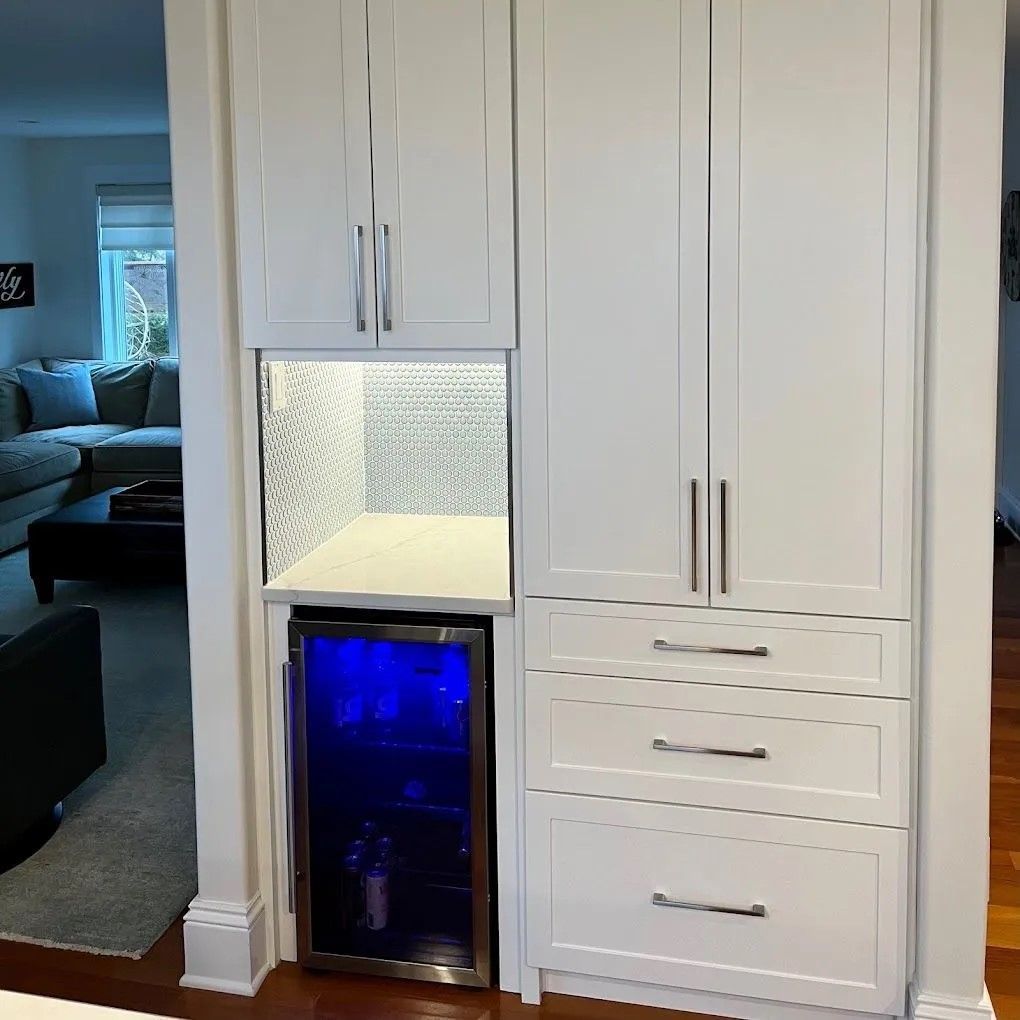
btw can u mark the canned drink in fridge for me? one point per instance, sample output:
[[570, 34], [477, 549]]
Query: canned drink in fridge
[[377, 898]]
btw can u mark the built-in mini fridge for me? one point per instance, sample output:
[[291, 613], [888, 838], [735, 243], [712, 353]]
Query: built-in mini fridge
[[388, 729]]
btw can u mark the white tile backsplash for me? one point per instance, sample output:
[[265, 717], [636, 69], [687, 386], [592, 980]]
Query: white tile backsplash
[[379, 437], [313, 458], [435, 439]]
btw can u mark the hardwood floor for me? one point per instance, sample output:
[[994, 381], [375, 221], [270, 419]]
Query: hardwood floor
[[290, 993], [1002, 964]]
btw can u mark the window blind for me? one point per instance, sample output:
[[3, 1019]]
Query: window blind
[[135, 216]]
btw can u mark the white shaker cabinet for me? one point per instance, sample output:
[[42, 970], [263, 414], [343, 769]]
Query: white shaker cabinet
[[612, 107], [303, 173], [813, 290], [374, 173], [443, 161], [780, 375]]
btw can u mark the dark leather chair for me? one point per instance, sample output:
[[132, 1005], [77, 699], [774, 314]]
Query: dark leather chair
[[52, 727]]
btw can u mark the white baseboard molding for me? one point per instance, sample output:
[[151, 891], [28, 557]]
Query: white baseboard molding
[[226, 948], [925, 1006], [682, 1000]]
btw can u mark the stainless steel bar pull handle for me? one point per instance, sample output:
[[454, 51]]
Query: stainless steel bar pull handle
[[694, 534], [723, 564], [659, 744], [288, 754], [755, 910], [661, 645], [357, 244], [384, 275]]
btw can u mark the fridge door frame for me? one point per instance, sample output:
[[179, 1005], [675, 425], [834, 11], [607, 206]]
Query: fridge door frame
[[479, 976]]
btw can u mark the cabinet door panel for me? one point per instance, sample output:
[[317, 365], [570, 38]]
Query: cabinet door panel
[[303, 172], [815, 127], [612, 178], [833, 901], [443, 162]]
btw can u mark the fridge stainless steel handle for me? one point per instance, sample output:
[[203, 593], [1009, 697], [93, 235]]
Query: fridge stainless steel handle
[[357, 243], [661, 645], [288, 753], [755, 910], [694, 534], [659, 744], [383, 231], [723, 564]]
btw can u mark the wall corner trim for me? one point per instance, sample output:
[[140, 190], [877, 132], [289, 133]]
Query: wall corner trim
[[226, 946], [928, 1006]]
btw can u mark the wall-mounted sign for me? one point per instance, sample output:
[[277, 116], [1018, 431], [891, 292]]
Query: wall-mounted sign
[[17, 285]]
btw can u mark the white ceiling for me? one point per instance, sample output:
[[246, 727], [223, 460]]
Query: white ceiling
[[82, 67]]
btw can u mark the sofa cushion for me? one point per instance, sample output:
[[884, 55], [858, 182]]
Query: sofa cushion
[[84, 437], [15, 415], [26, 466], [121, 387], [60, 398], [148, 449], [164, 394]]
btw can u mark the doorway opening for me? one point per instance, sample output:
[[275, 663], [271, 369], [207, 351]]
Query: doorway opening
[[97, 829]]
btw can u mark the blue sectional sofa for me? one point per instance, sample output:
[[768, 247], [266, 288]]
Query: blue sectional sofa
[[138, 437]]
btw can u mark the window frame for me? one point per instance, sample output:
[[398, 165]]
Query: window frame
[[111, 295], [112, 303]]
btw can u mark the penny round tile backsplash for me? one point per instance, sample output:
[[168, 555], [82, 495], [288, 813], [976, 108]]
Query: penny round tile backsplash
[[379, 437]]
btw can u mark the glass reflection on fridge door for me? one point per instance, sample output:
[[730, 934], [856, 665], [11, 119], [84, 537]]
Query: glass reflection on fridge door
[[391, 799]]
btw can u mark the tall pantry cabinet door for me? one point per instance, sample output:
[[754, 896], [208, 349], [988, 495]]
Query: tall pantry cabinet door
[[612, 101], [299, 85], [442, 150], [814, 270]]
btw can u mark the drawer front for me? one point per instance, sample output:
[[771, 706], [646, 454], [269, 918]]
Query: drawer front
[[817, 755], [800, 653], [811, 912]]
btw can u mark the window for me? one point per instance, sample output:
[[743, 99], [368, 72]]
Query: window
[[136, 272]]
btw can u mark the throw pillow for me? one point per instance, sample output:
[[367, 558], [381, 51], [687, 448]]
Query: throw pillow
[[15, 415], [60, 398], [164, 394], [121, 387]]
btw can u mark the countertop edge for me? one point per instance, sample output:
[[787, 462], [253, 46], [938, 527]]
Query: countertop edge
[[390, 600]]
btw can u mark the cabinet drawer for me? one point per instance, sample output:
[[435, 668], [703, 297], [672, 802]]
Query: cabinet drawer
[[802, 653], [818, 755], [832, 899]]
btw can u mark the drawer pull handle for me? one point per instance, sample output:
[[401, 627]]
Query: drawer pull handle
[[662, 900], [658, 744], [694, 534], [660, 645]]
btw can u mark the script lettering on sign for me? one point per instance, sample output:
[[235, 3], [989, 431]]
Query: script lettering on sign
[[17, 285]]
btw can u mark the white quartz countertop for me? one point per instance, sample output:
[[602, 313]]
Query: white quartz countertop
[[14, 1006], [404, 561]]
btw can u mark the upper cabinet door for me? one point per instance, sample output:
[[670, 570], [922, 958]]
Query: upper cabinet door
[[612, 106], [443, 161], [303, 172], [814, 269]]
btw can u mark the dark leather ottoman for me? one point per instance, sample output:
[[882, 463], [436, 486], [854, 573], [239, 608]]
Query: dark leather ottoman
[[82, 542]]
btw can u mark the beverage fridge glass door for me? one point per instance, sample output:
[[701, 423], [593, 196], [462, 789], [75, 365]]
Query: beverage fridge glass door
[[391, 796]]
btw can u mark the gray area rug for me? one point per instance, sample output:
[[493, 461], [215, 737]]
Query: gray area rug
[[121, 867]]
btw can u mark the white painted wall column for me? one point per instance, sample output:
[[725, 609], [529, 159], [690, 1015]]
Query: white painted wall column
[[959, 486], [225, 931]]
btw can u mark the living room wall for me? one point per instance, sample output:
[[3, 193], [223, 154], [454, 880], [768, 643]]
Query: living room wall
[[17, 244], [64, 175]]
